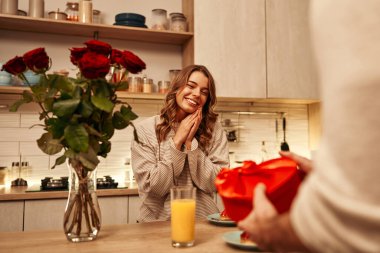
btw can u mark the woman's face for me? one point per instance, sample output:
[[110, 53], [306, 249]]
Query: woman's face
[[193, 95]]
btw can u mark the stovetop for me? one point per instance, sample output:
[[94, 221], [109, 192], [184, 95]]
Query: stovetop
[[62, 184], [54, 184], [106, 182]]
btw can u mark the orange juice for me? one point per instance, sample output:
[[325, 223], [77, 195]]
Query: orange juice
[[183, 220]]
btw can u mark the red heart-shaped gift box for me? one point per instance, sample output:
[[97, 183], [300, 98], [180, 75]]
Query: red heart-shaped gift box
[[235, 186]]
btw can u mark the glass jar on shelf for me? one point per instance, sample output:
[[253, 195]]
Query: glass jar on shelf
[[135, 84], [163, 87], [72, 11], [178, 22], [147, 85], [159, 19], [96, 18], [173, 74]]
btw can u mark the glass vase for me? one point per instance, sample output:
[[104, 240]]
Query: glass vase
[[82, 218]]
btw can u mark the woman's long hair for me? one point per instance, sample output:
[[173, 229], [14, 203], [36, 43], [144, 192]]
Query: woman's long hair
[[169, 111]]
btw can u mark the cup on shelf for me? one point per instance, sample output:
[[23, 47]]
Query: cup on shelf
[[57, 15], [9, 7]]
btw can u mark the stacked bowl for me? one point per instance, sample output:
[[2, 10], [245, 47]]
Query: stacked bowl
[[5, 77], [31, 77], [130, 19]]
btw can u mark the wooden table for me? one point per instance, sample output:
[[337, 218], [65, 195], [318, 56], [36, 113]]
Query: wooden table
[[132, 238]]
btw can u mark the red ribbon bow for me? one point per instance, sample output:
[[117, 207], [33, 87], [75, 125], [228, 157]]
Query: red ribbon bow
[[235, 186]]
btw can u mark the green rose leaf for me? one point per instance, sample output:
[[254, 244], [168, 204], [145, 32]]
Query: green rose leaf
[[61, 83], [127, 113], [70, 154], [89, 159], [60, 160], [56, 127], [122, 86], [101, 88], [76, 137], [103, 103], [86, 109], [48, 103], [118, 121], [108, 129], [94, 144], [105, 148], [27, 97], [65, 107], [49, 145], [77, 92], [92, 131], [14, 107]]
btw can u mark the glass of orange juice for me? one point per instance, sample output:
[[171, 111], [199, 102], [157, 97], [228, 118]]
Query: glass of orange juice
[[183, 215]]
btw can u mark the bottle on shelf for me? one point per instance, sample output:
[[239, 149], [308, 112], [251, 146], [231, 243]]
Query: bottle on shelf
[[72, 9], [37, 8], [85, 11], [9, 7], [264, 152]]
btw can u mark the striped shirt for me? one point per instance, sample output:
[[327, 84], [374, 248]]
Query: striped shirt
[[158, 167]]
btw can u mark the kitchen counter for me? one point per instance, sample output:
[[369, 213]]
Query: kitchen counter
[[143, 237], [24, 193]]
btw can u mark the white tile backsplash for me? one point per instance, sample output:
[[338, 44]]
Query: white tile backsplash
[[16, 137]]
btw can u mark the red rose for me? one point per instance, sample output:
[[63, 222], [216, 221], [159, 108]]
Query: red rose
[[99, 47], [132, 62], [116, 57], [37, 60], [93, 65], [76, 54], [15, 66]]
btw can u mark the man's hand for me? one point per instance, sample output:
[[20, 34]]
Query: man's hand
[[263, 213], [303, 163]]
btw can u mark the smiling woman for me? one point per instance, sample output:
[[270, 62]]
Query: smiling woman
[[184, 145]]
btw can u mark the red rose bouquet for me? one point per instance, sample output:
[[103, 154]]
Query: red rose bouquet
[[78, 112], [79, 118]]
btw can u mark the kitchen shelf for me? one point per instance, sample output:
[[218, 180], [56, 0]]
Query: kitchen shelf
[[17, 90], [101, 31]]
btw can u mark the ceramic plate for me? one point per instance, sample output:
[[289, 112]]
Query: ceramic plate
[[233, 239], [215, 219]]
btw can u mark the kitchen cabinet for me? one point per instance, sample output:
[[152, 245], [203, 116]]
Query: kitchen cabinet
[[291, 69], [229, 39], [134, 209], [256, 48], [114, 210], [48, 214], [44, 214], [11, 216]]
